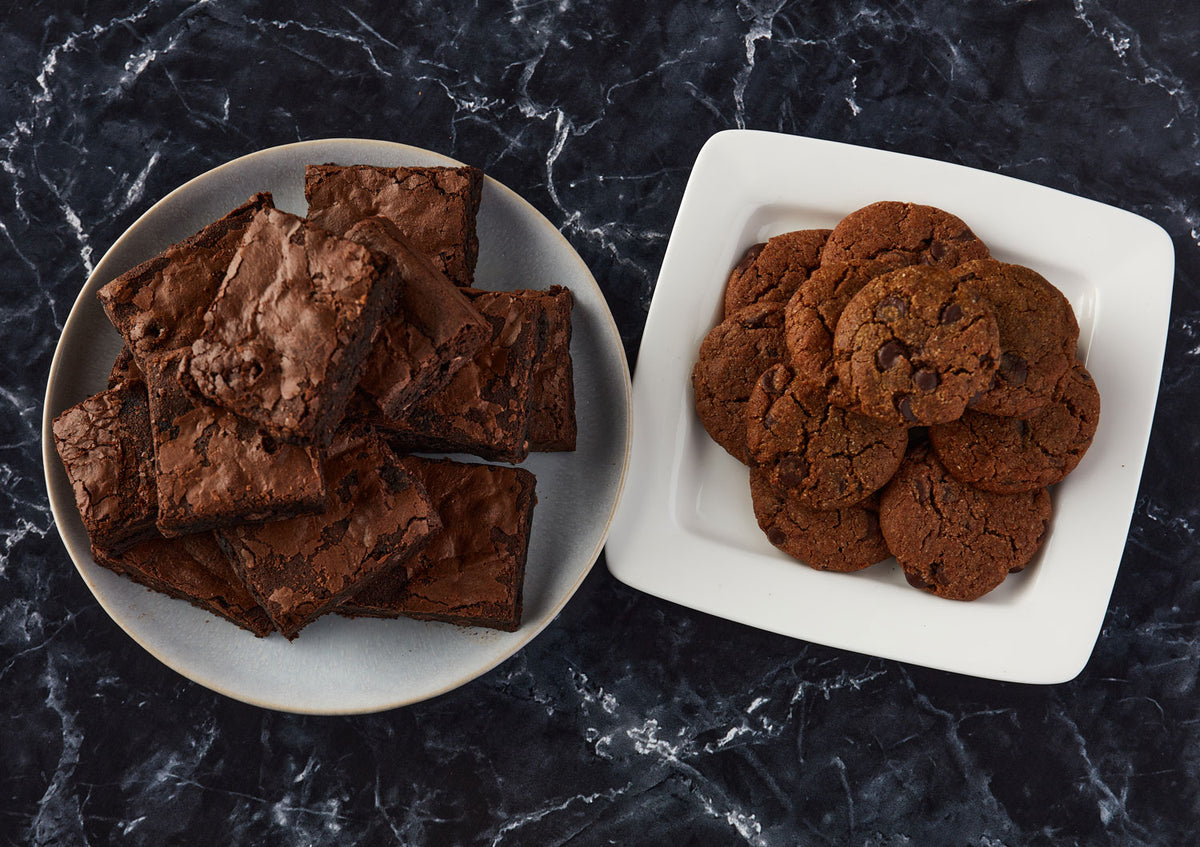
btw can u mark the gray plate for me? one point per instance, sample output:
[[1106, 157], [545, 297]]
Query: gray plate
[[341, 666]]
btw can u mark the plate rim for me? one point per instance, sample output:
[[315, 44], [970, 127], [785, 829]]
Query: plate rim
[[88, 570], [641, 527]]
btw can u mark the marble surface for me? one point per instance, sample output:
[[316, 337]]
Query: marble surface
[[629, 720]]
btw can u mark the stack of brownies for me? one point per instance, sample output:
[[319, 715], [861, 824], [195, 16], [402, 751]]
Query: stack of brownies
[[253, 453]]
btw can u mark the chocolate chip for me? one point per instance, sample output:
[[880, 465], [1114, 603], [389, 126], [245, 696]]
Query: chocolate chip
[[775, 536], [792, 470], [748, 259], [926, 380], [904, 407], [951, 313], [889, 353], [891, 308], [937, 250], [1013, 369]]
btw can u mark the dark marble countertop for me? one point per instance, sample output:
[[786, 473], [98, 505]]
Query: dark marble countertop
[[629, 720]]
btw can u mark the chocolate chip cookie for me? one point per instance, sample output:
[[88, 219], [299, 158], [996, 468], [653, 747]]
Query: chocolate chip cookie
[[914, 347], [823, 456], [845, 540], [1038, 334], [904, 234], [1011, 455], [774, 269], [732, 357], [813, 311], [952, 539]]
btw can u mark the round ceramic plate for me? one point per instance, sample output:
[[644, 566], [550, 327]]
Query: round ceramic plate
[[338, 665]]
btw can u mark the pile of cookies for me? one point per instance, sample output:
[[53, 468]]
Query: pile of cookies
[[896, 391], [253, 451]]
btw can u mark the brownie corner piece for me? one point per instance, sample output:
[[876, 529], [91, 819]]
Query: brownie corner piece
[[285, 338], [484, 409], [432, 332], [159, 305], [106, 449], [434, 207], [300, 568], [190, 568], [471, 571], [213, 468]]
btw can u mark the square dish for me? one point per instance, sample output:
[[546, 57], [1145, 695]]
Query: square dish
[[685, 531]]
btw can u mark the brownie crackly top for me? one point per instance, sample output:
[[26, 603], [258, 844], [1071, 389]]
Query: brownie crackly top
[[284, 339]]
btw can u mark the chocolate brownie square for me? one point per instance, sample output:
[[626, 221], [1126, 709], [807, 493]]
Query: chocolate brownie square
[[214, 468], [302, 567], [435, 208], [160, 304], [284, 339], [431, 331], [552, 425], [484, 409], [471, 571], [106, 449], [191, 568]]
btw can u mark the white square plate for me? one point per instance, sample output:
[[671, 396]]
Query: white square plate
[[685, 531]]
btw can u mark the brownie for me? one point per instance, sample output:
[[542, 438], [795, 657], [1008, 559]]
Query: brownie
[[284, 339], [106, 449], [430, 331], [435, 207], [160, 304], [301, 567], [484, 409], [471, 571], [552, 425], [214, 468], [191, 568]]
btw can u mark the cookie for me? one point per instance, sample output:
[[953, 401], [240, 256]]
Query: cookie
[[822, 456], [774, 269], [914, 347], [1011, 455], [954, 540], [1038, 334], [732, 357], [903, 234], [813, 311], [843, 540]]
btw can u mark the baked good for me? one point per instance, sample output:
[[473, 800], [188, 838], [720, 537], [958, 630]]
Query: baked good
[[214, 468], [428, 333], [484, 409], [824, 457], [1038, 334], [471, 571], [105, 446], [812, 313], [552, 425], [774, 269], [914, 347], [1010, 455], [160, 304], [302, 567], [846, 539], [284, 339], [903, 234], [191, 568], [732, 357], [434, 207], [952, 539]]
